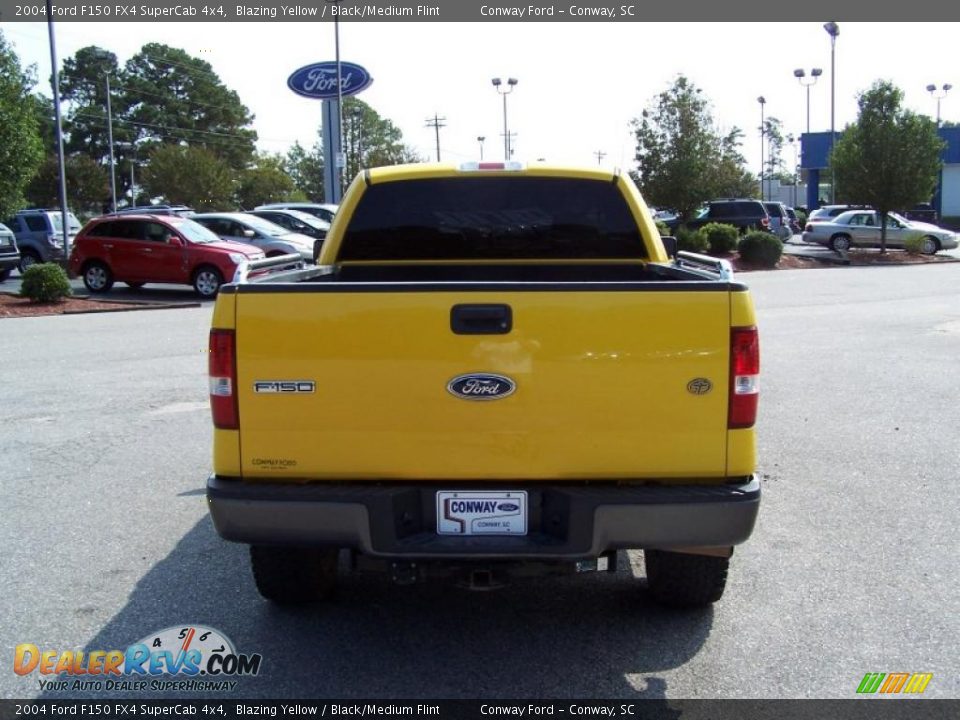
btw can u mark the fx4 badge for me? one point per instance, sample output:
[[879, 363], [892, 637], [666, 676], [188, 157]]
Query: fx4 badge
[[699, 386], [481, 386], [284, 386]]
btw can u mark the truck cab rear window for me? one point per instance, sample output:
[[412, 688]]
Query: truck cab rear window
[[492, 218]]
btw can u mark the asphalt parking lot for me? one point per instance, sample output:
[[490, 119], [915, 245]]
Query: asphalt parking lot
[[105, 443]]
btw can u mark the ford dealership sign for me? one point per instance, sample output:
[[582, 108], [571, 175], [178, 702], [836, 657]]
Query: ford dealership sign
[[320, 80]]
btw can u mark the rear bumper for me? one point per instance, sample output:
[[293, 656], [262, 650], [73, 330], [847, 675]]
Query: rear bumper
[[9, 260], [565, 521]]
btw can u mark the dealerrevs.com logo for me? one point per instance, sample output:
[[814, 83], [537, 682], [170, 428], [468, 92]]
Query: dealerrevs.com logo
[[182, 658]]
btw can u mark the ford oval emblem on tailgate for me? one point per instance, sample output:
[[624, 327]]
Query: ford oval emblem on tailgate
[[481, 386]]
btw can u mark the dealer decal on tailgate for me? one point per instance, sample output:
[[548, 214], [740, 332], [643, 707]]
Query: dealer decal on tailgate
[[482, 513]]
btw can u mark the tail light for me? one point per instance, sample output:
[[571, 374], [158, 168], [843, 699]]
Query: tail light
[[744, 377], [809, 227], [223, 379], [765, 222]]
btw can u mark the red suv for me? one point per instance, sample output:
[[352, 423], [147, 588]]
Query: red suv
[[138, 249]]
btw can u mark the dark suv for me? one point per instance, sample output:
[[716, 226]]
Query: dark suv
[[743, 214], [39, 235]]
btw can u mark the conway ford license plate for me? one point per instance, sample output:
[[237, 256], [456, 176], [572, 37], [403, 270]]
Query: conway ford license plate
[[482, 513]]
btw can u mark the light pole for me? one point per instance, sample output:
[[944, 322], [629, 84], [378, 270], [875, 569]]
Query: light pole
[[62, 189], [939, 95], [763, 101], [338, 150], [511, 83], [800, 74], [480, 139], [104, 55], [833, 30]]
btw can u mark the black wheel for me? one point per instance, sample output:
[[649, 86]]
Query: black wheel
[[294, 575], [97, 277], [840, 243], [28, 258], [207, 281], [4, 274], [134, 285], [685, 581], [930, 245]]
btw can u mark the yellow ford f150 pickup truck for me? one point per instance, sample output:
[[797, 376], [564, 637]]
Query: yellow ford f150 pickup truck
[[493, 371]]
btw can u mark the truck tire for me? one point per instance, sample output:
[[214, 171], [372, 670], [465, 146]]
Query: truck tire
[[294, 575], [685, 581]]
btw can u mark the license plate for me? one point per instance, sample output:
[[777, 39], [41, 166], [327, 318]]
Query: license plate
[[482, 513]]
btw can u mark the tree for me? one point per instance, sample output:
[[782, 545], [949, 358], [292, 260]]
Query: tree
[[171, 97], [733, 178], [83, 84], [370, 140], [267, 181], [21, 150], [185, 175], [683, 160], [305, 168], [773, 162], [88, 186], [889, 158]]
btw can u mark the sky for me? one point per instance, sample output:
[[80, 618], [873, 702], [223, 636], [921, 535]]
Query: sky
[[579, 84]]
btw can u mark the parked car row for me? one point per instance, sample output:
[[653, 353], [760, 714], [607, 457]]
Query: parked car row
[[164, 243], [861, 228], [744, 214]]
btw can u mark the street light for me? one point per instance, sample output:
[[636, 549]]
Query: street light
[[763, 101], [480, 139], [939, 95], [104, 55], [800, 74], [833, 30], [511, 83], [796, 166]]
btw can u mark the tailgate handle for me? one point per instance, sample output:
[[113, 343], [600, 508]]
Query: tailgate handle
[[481, 319]]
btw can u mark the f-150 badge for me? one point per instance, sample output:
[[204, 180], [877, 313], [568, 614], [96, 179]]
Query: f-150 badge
[[284, 386], [481, 386]]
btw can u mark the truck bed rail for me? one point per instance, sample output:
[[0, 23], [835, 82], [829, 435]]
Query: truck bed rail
[[271, 264], [722, 269]]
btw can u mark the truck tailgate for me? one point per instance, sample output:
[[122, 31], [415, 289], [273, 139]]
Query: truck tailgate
[[604, 384]]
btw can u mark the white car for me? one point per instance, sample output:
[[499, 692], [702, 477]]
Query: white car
[[324, 211], [269, 237], [861, 228]]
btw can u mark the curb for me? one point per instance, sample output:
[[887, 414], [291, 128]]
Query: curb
[[123, 305]]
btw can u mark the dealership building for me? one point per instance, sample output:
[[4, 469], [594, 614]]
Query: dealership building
[[815, 147]]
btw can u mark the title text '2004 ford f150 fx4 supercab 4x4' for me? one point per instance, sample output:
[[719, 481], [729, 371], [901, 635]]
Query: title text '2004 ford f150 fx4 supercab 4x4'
[[493, 370]]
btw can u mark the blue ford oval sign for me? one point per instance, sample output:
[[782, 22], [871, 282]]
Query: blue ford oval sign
[[320, 80], [481, 386]]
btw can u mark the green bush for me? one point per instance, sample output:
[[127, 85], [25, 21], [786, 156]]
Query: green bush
[[45, 283], [801, 217], [691, 240], [662, 228], [721, 238], [760, 247], [913, 243]]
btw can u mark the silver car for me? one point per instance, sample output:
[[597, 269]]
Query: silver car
[[269, 237], [324, 211], [861, 228]]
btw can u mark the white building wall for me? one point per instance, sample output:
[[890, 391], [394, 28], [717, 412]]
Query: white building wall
[[775, 192]]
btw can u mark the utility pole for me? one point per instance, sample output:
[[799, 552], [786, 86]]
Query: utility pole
[[436, 123], [480, 139], [600, 156]]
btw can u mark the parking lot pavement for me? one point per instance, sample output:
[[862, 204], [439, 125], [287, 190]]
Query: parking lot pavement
[[105, 448]]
